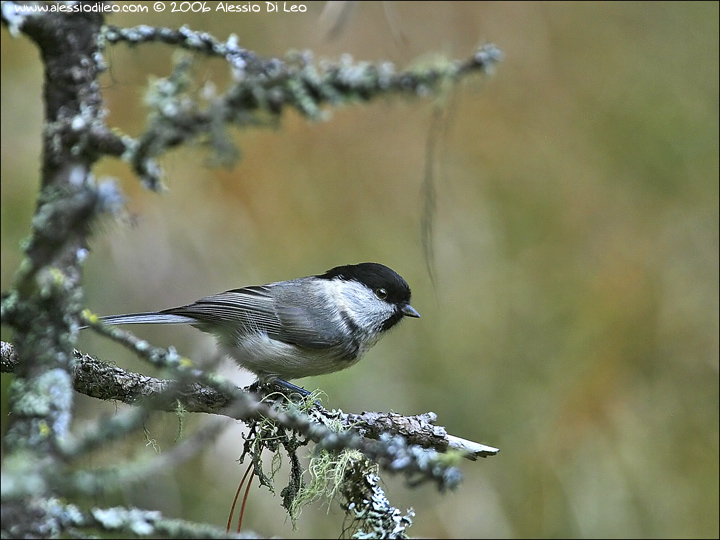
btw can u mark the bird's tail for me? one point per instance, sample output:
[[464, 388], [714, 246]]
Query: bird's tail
[[147, 318]]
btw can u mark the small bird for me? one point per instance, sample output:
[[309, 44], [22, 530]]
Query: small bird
[[297, 328]]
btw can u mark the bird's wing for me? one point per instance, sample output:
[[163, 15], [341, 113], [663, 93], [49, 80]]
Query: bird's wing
[[306, 327], [259, 308], [249, 308]]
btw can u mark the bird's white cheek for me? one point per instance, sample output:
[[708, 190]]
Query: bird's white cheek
[[360, 304]]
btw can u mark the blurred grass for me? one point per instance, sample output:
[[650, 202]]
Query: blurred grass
[[574, 322]]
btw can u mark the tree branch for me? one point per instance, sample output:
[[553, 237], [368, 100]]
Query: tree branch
[[101, 380], [263, 89], [62, 516]]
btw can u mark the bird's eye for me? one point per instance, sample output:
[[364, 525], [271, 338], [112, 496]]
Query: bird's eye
[[381, 293]]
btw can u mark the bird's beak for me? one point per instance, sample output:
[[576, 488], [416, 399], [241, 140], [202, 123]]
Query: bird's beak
[[409, 311]]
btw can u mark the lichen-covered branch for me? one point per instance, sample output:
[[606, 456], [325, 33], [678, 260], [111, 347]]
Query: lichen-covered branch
[[47, 295], [98, 379], [58, 516], [263, 88], [47, 292], [419, 430]]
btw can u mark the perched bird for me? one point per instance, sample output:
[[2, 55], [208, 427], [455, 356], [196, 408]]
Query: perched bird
[[300, 327]]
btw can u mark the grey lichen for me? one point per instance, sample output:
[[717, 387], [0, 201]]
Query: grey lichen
[[374, 516]]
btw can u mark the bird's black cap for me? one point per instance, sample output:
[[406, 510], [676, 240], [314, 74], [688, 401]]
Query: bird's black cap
[[376, 276]]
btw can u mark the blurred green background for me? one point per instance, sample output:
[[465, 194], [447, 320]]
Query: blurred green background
[[573, 322]]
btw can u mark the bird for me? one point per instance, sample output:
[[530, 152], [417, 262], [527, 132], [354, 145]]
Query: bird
[[297, 328]]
